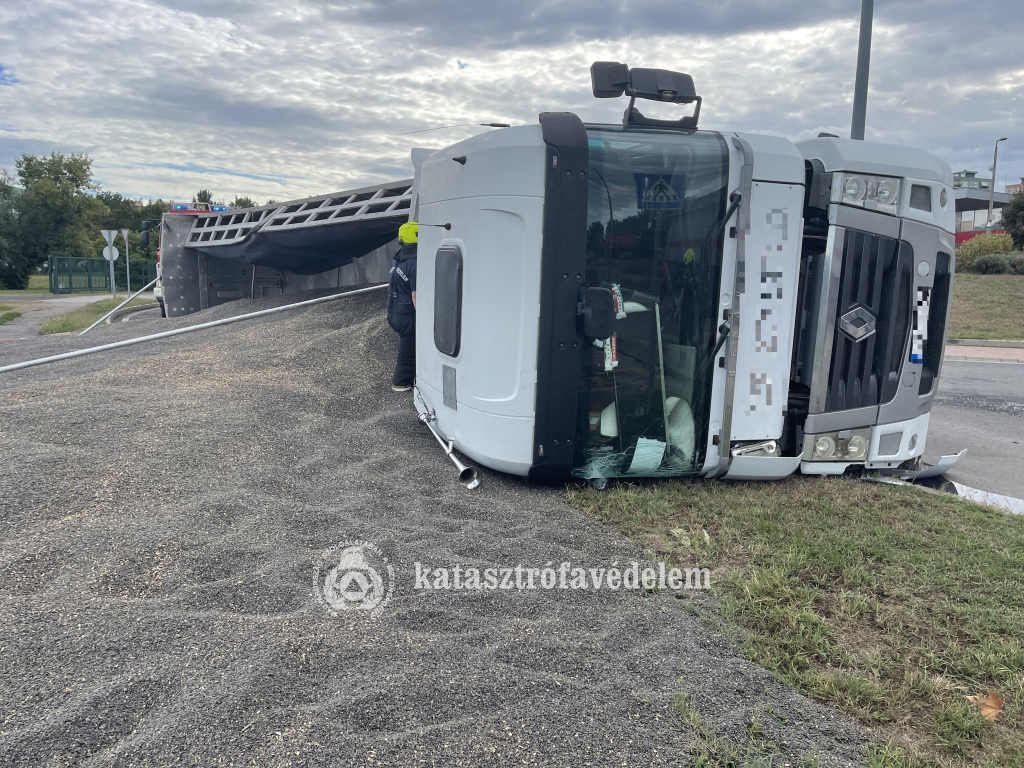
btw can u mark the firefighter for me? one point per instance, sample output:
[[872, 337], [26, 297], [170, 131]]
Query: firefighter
[[402, 306]]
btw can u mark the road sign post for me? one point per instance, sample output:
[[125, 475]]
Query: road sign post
[[109, 235], [127, 261], [110, 254]]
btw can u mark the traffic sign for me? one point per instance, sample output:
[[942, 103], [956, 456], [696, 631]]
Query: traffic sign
[[110, 253], [109, 235], [124, 233]]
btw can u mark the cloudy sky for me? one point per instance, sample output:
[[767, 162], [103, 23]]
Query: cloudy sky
[[284, 100]]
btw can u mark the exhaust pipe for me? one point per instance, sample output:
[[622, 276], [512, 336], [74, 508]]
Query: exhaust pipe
[[468, 476]]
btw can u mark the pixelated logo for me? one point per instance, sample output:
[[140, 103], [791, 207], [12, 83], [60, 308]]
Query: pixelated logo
[[354, 576]]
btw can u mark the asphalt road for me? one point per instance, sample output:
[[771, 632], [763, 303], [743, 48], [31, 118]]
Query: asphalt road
[[980, 407], [37, 308]]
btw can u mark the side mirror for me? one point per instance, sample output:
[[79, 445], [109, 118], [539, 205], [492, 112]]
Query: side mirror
[[598, 310], [144, 238], [608, 79]]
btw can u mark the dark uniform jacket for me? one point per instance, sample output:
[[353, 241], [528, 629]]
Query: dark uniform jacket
[[401, 312]]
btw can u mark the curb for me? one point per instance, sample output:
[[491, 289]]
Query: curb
[[129, 310], [1003, 343]]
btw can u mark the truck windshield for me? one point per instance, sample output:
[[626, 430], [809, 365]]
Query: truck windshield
[[654, 237]]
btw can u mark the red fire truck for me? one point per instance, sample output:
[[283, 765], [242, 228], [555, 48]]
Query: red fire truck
[[183, 208]]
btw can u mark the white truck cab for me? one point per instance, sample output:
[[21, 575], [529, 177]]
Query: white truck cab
[[650, 299]]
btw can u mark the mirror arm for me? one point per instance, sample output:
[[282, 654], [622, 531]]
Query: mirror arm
[[723, 333]]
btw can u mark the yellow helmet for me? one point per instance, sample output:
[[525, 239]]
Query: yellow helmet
[[409, 233]]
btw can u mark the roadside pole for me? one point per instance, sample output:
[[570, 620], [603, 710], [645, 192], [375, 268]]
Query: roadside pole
[[110, 254], [127, 261], [860, 87]]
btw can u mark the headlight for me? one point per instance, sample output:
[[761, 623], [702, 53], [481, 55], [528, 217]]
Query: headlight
[[824, 447], [877, 193], [844, 445], [856, 447]]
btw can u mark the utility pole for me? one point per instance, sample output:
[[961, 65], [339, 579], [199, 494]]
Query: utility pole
[[860, 88], [127, 264], [992, 187]]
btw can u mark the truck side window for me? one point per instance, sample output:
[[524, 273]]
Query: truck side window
[[448, 300]]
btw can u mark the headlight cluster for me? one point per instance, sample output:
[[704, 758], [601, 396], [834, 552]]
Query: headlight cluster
[[877, 193], [844, 445]]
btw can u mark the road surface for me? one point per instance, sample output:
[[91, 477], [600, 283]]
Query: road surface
[[37, 308], [980, 407]]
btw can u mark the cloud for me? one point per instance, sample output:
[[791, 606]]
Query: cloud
[[193, 168], [6, 78], [281, 101]]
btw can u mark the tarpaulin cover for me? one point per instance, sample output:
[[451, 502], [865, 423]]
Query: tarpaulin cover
[[310, 250]]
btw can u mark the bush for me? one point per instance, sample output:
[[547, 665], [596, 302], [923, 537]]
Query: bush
[[1016, 264], [980, 245], [992, 264]]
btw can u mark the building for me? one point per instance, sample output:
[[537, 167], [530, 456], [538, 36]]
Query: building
[[972, 211], [1013, 189], [969, 180]]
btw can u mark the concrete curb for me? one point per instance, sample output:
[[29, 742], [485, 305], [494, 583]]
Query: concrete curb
[[128, 310], [1004, 343]]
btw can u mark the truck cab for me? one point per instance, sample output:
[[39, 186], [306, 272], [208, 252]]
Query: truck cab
[[650, 299]]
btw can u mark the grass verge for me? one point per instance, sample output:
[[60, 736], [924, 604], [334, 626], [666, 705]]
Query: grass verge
[[85, 316], [892, 604], [987, 307], [36, 284], [7, 313]]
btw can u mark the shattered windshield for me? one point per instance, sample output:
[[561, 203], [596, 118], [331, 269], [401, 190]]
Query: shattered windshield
[[654, 238]]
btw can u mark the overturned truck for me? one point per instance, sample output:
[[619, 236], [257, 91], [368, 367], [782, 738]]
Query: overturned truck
[[640, 300]]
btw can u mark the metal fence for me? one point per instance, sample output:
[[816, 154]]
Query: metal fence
[[71, 275]]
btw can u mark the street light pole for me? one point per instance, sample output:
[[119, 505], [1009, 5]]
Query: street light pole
[[992, 187], [860, 88]]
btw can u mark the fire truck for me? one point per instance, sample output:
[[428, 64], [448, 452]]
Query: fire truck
[[181, 209]]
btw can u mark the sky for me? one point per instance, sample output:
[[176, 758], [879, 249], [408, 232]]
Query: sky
[[286, 100]]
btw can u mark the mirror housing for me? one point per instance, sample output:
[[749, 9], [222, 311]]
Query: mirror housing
[[661, 85], [598, 310], [144, 237], [610, 79]]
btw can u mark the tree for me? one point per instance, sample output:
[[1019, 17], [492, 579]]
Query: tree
[[1013, 219], [13, 270], [203, 196], [241, 201], [55, 213]]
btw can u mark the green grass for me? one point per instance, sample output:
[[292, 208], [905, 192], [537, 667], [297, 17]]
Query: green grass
[[987, 307], [36, 284], [7, 313], [85, 316], [889, 603]]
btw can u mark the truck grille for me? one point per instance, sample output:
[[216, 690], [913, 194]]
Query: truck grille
[[872, 321]]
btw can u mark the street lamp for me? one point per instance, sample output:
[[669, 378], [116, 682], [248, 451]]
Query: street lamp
[[860, 86], [992, 187]]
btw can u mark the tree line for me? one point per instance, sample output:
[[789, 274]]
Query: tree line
[[51, 206]]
